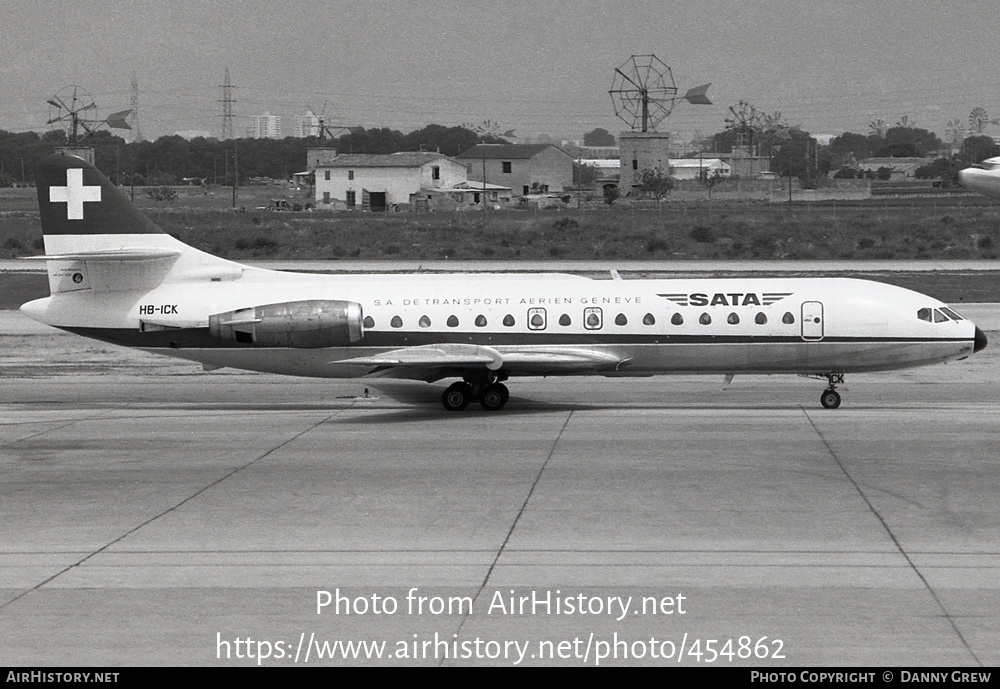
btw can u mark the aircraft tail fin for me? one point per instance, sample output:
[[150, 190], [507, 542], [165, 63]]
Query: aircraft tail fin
[[97, 239]]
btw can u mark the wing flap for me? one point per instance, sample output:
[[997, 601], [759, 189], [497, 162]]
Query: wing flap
[[449, 355]]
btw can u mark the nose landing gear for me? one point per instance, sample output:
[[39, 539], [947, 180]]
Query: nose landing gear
[[830, 399]]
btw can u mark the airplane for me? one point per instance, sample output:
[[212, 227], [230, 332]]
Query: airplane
[[117, 277], [983, 178]]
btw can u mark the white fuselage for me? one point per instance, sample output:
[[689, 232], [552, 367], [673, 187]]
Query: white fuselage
[[631, 327]]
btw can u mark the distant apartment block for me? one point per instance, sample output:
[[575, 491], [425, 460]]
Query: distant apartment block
[[266, 126], [307, 125]]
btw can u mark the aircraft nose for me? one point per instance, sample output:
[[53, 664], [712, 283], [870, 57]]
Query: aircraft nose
[[979, 343]]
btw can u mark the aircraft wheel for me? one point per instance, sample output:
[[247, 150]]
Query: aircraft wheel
[[494, 397], [457, 397], [830, 399]]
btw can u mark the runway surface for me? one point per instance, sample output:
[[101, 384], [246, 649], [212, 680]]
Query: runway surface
[[152, 514]]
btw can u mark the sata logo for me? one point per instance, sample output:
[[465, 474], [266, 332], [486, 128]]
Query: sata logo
[[726, 298]]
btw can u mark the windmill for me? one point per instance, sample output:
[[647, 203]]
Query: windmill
[[488, 129], [753, 129], [978, 119], [747, 123], [955, 132], [72, 109], [877, 128], [324, 130], [644, 93]]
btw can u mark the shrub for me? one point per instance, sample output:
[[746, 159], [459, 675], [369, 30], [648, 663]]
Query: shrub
[[703, 234], [655, 244], [565, 224]]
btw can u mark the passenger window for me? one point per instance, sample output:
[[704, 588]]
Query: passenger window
[[593, 318], [565, 320], [760, 318], [536, 319], [480, 321], [924, 315], [452, 321], [508, 321], [705, 319], [424, 322], [788, 318], [734, 318], [396, 322], [939, 317], [369, 322], [620, 319], [677, 319], [648, 319]]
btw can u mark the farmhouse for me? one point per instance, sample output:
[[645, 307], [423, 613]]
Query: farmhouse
[[524, 168], [378, 182], [463, 196]]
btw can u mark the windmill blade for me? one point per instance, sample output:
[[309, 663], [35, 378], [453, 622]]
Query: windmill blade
[[626, 78]]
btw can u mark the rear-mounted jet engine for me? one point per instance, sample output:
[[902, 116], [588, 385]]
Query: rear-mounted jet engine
[[303, 324]]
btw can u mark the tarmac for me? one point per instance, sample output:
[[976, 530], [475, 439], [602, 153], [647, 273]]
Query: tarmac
[[155, 514]]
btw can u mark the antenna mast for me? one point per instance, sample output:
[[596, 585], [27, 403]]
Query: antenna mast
[[227, 108], [134, 118]]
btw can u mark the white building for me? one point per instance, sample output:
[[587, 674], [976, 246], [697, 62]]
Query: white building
[[266, 126], [378, 182], [692, 168]]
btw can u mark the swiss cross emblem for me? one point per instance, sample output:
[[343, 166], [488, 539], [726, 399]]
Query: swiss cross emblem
[[74, 194]]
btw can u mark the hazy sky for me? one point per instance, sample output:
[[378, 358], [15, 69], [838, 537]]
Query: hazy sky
[[537, 67]]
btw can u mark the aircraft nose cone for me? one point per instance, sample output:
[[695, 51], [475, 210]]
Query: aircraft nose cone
[[979, 343]]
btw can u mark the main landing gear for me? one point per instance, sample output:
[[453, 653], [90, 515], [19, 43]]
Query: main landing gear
[[830, 399], [492, 395]]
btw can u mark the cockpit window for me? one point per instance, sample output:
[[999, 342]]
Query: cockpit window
[[951, 314], [924, 314], [939, 317]]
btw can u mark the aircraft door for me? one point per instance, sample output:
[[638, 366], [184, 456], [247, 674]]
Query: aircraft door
[[812, 320]]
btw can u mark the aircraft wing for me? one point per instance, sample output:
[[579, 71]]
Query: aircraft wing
[[433, 362]]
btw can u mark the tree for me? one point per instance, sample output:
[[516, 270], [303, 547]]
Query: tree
[[942, 168], [584, 174], [976, 149], [903, 141], [790, 156], [848, 148], [599, 137], [448, 140], [709, 179], [655, 183]]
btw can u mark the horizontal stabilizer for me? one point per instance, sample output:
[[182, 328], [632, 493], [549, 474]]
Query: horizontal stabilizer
[[110, 255]]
